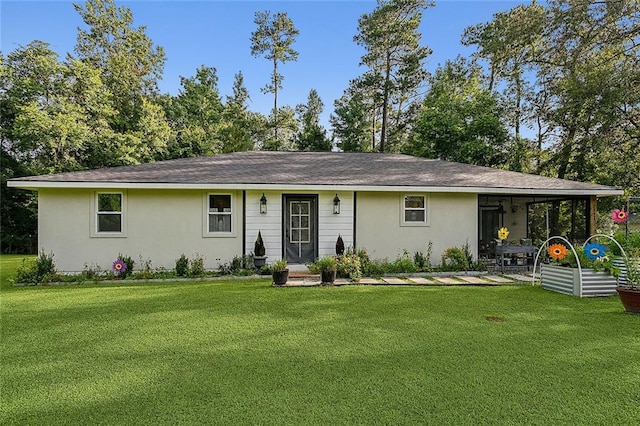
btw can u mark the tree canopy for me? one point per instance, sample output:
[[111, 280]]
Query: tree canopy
[[551, 89]]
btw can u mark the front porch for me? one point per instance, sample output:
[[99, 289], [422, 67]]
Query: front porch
[[530, 220]]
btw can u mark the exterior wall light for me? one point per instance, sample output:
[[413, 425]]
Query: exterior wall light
[[336, 205], [263, 204]]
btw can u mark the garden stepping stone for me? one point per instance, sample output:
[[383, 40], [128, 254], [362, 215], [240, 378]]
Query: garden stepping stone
[[498, 279], [473, 280], [420, 280], [369, 281], [396, 281], [446, 280], [519, 277]]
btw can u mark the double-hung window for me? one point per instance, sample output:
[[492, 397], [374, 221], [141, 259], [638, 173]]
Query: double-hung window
[[414, 210], [219, 213], [109, 212]]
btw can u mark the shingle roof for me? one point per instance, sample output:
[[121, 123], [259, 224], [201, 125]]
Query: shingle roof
[[310, 169]]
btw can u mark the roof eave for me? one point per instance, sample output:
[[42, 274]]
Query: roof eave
[[35, 185]]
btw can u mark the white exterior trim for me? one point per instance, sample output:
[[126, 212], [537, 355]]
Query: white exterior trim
[[94, 233], [304, 188], [427, 214], [233, 217]]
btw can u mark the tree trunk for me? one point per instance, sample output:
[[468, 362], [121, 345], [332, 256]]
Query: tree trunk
[[385, 104], [275, 99]]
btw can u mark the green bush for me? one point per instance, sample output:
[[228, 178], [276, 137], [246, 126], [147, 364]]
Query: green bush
[[455, 259], [349, 266], [239, 265], [258, 247], [403, 264], [128, 261], [91, 272], [375, 268], [196, 266], [182, 266], [36, 271]]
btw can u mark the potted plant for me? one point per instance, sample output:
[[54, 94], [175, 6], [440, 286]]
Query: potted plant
[[629, 292], [280, 272], [259, 258], [328, 267]]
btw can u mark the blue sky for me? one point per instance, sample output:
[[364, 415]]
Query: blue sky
[[217, 34]]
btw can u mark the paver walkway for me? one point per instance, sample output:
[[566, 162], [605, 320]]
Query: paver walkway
[[314, 280]]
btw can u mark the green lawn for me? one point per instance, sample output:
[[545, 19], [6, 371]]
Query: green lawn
[[244, 352]]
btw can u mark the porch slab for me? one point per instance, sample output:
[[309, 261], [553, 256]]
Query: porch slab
[[498, 279]]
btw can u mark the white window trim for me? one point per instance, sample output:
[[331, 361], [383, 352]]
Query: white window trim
[[233, 215], [427, 213], [123, 216]]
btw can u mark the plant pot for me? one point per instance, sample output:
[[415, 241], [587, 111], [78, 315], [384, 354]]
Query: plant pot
[[630, 299], [259, 261], [328, 276], [280, 277]]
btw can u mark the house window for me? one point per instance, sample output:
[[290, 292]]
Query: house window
[[414, 210], [109, 208], [219, 210]]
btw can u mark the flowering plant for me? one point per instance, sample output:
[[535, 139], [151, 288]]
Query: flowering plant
[[619, 216]]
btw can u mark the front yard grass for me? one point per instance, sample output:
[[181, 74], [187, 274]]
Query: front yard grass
[[243, 352]]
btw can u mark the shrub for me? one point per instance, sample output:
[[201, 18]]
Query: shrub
[[182, 266], [374, 268], [90, 272], [427, 257], [419, 259], [339, 246], [27, 272], [349, 266], [146, 269], [402, 264], [128, 261], [455, 259], [258, 248], [239, 265], [36, 271], [196, 265]]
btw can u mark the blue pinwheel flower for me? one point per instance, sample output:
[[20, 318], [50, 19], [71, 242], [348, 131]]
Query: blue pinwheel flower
[[595, 251]]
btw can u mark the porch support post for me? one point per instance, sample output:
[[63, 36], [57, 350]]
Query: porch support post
[[593, 215]]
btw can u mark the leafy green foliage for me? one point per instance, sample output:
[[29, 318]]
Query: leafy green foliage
[[182, 266], [273, 38], [395, 56], [128, 260], [279, 265], [459, 119], [35, 271], [258, 247], [326, 263]]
